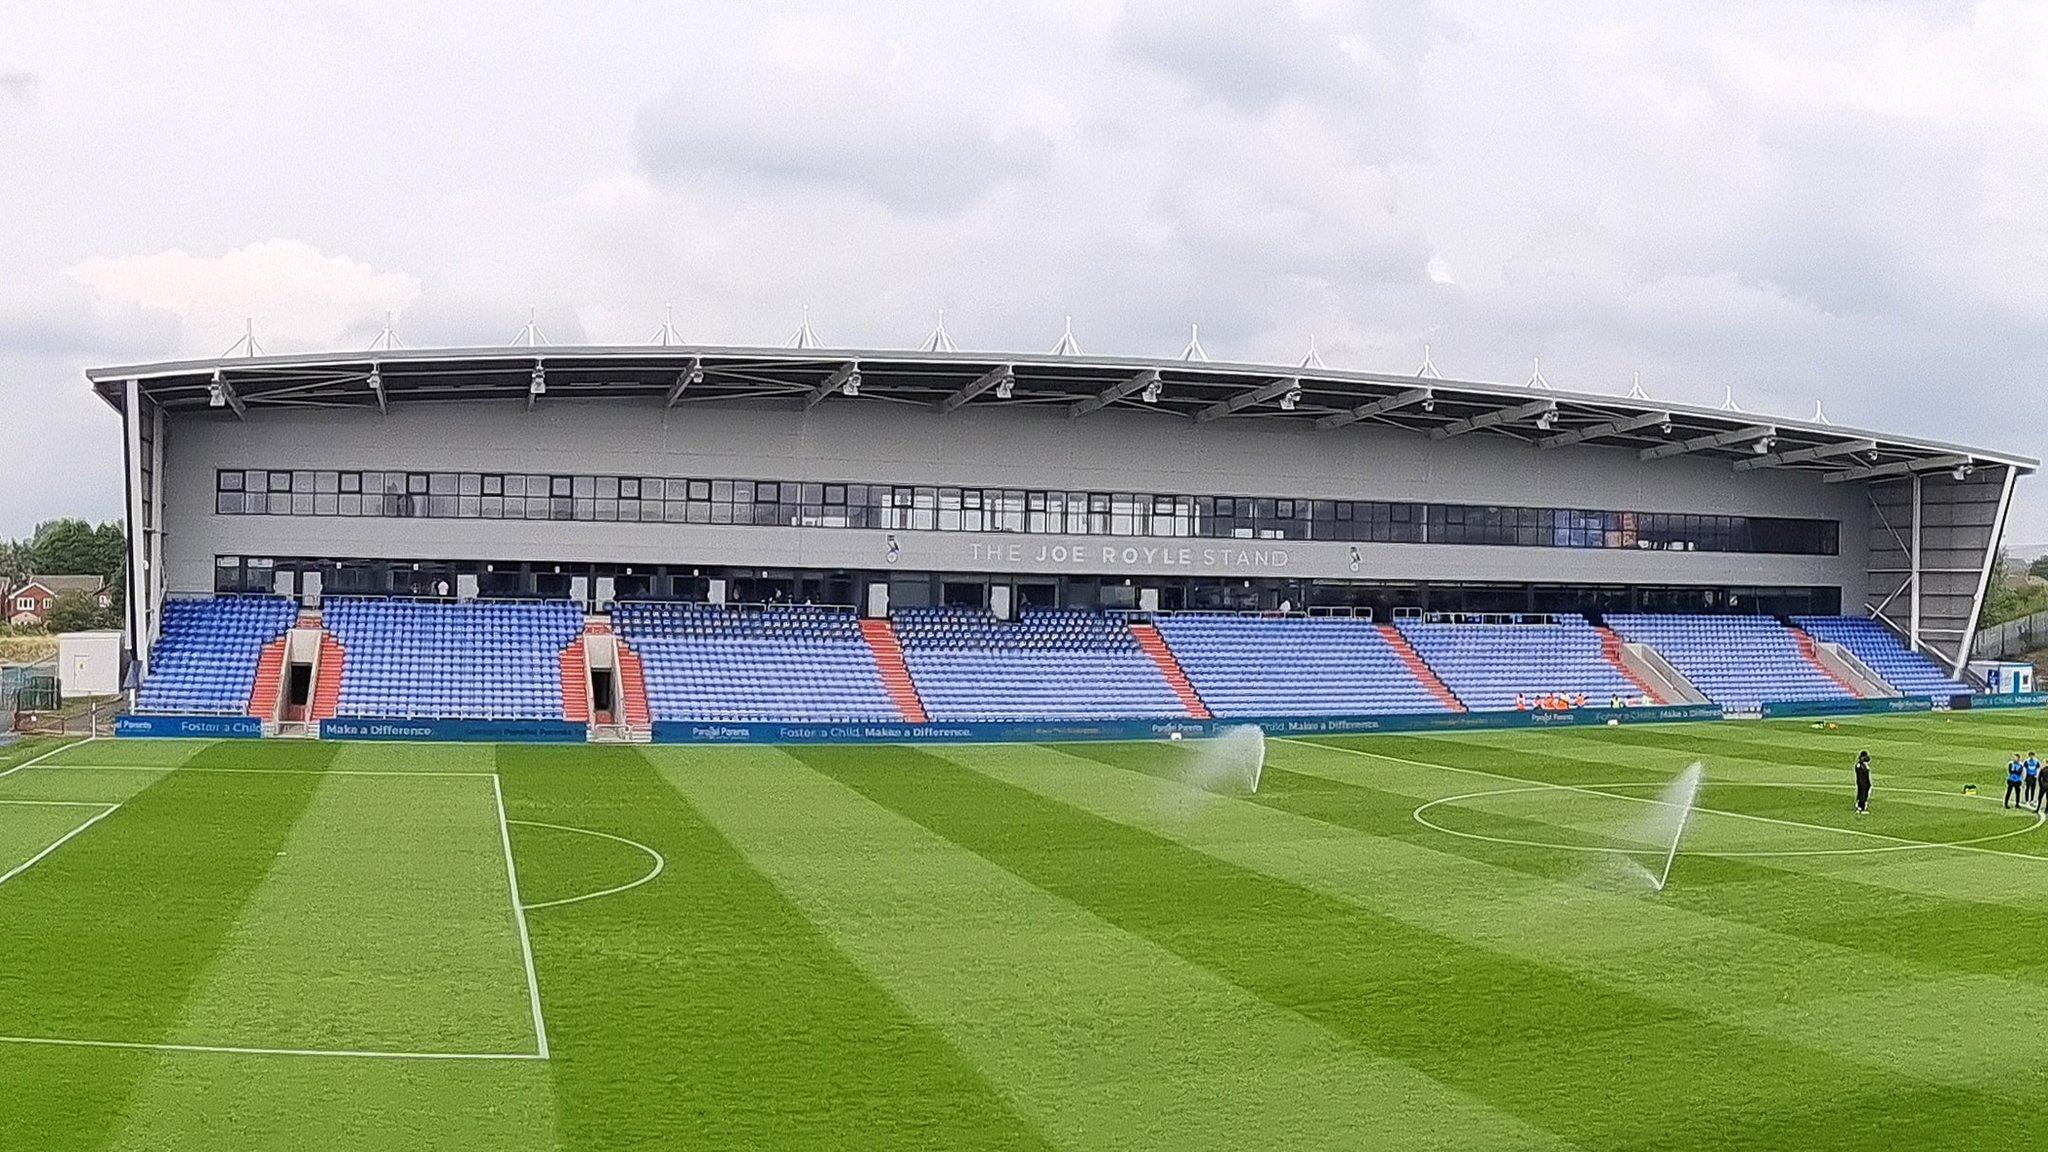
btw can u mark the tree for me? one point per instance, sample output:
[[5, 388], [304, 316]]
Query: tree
[[74, 612], [2039, 567], [75, 548], [15, 563]]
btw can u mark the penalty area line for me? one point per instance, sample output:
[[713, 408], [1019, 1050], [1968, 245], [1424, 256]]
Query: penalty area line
[[25, 865], [540, 1024], [237, 1050], [33, 761]]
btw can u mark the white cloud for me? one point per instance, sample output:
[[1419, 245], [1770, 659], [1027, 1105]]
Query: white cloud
[[295, 295], [1815, 198]]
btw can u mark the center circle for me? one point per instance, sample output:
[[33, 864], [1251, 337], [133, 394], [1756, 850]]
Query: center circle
[[1420, 816]]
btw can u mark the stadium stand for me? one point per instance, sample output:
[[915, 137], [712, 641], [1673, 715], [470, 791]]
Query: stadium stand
[[969, 665], [795, 663], [1737, 661], [1299, 666], [480, 659], [1492, 666], [205, 657], [1884, 653]]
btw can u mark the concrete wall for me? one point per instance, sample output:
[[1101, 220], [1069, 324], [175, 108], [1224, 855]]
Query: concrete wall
[[1011, 446]]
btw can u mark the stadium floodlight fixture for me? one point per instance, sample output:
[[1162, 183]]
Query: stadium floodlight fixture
[[216, 391], [1547, 421], [1006, 387], [851, 387], [1665, 428], [1429, 404], [1151, 393], [537, 385], [1763, 447], [1962, 472], [1289, 399]]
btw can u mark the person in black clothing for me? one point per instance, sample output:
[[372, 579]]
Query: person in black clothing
[[1863, 783]]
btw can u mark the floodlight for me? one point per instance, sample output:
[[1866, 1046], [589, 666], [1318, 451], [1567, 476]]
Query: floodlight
[[852, 385]]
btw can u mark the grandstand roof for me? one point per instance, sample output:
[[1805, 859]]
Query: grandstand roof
[[1310, 395]]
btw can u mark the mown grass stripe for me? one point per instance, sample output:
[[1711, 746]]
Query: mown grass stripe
[[106, 940], [1669, 1077], [1095, 1034], [705, 1010], [1849, 902], [1770, 982]]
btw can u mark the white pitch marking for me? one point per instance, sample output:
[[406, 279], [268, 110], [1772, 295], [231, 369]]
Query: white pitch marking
[[266, 771], [45, 756], [56, 803], [105, 811], [660, 862], [1648, 800], [1898, 843], [540, 1025], [234, 1050]]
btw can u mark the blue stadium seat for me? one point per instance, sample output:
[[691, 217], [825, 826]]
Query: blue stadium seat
[[1046, 665], [204, 658], [1489, 665], [788, 663], [1886, 654], [476, 660], [1736, 661], [1244, 665]]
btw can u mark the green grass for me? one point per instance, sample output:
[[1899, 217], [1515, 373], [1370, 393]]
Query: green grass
[[1031, 946]]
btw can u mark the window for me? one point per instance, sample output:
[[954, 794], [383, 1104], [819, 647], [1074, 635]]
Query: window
[[673, 500]]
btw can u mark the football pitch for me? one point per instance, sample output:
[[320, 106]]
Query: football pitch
[[1441, 942]]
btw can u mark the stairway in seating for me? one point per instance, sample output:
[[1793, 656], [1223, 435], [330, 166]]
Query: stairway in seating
[[1806, 652], [575, 682], [881, 638], [1422, 671], [1154, 646], [269, 675], [327, 692], [1610, 648], [633, 690]]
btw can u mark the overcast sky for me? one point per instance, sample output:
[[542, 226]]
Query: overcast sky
[[1835, 202]]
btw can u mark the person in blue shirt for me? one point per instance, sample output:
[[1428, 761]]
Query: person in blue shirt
[[2032, 768], [2014, 773]]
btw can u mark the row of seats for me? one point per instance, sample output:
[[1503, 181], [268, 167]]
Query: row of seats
[[1883, 652], [790, 663], [1736, 661], [1493, 666], [969, 665], [1294, 666], [204, 659], [478, 659]]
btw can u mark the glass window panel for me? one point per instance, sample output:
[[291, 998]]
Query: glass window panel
[[227, 481]]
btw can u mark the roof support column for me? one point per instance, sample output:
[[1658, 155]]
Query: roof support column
[[1913, 568], [138, 576], [1969, 637]]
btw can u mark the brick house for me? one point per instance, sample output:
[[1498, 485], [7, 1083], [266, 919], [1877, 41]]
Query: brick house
[[29, 602]]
